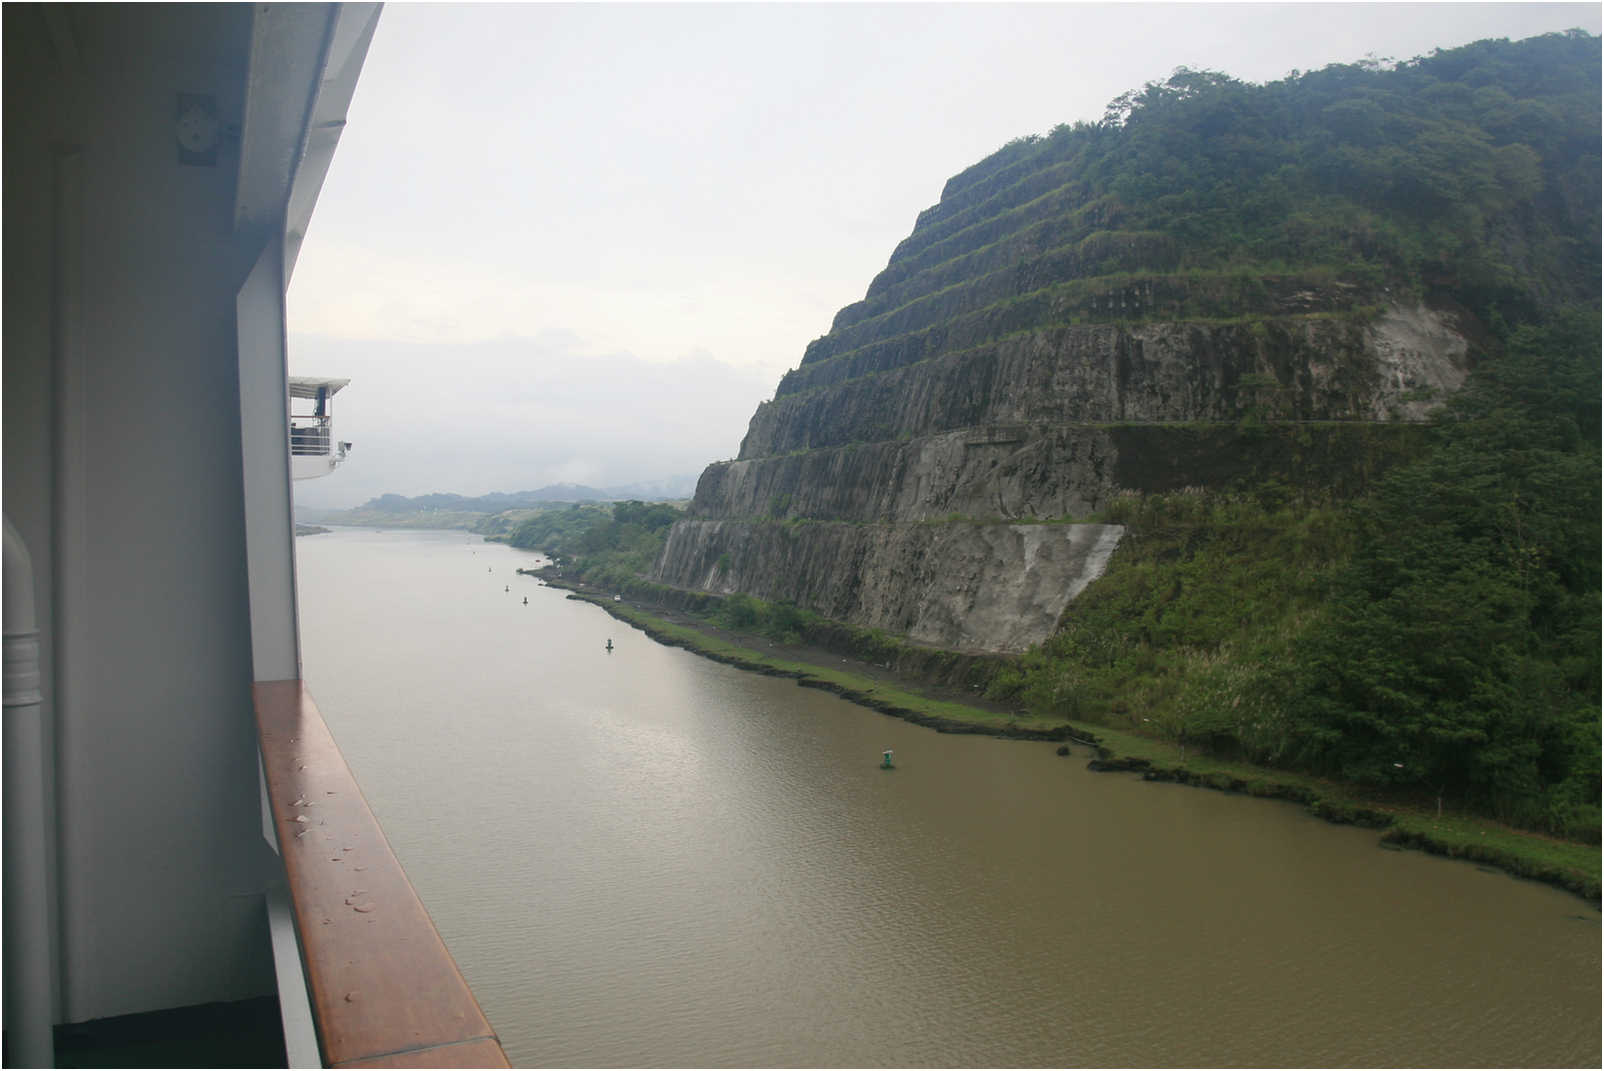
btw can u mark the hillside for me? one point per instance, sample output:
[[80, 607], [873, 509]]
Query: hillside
[[1163, 402], [1330, 253]]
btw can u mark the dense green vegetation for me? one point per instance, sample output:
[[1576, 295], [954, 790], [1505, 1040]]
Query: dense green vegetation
[[1460, 645], [1456, 172], [557, 532], [1468, 176], [600, 544], [1439, 636], [782, 621]]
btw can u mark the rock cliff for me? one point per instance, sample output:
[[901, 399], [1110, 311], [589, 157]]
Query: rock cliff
[[885, 483], [1090, 315], [888, 492]]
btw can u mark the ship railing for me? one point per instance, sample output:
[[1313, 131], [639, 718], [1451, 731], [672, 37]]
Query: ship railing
[[311, 439], [351, 936]]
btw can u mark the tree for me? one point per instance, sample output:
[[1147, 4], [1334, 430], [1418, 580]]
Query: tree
[[1460, 651]]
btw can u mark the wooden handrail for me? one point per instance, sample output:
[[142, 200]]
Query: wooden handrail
[[385, 991]]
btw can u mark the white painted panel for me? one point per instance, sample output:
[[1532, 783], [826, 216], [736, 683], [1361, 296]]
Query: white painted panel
[[147, 462], [161, 869], [264, 446]]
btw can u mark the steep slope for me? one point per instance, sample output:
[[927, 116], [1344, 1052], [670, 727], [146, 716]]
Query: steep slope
[[1218, 284]]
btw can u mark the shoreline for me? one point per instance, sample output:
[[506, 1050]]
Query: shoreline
[[1568, 865]]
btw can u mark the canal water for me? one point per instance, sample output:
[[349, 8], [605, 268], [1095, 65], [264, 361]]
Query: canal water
[[644, 858]]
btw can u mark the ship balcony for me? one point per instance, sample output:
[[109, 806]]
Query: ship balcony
[[314, 451]]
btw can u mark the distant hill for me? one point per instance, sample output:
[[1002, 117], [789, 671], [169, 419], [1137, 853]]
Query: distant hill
[[647, 490], [494, 502], [497, 501], [492, 514]]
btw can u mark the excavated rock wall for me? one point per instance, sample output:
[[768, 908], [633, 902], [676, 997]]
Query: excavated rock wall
[[963, 586], [1051, 424], [1013, 473], [1025, 356], [1301, 369], [913, 536], [1037, 472]]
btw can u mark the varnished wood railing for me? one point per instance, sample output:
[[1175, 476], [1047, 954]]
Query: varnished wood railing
[[384, 990]]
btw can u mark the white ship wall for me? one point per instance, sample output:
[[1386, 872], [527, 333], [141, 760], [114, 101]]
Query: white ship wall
[[123, 475]]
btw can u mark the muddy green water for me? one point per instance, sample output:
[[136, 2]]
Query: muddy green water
[[644, 858]]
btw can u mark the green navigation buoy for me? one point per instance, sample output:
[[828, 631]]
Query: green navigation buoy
[[885, 760]]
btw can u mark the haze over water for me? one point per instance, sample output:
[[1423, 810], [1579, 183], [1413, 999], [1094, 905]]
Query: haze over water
[[644, 858]]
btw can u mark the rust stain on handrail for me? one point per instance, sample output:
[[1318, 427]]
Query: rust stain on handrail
[[385, 991]]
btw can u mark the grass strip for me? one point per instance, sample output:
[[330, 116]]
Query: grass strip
[[941, 715]]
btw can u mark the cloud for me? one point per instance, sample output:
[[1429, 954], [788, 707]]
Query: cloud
[[513, 414]]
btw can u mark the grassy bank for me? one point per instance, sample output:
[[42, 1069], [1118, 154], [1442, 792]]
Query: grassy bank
[[941, 715], [1407, 824]]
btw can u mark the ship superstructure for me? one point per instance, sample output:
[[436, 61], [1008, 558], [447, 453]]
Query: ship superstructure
[[161, 753], [314, 451]]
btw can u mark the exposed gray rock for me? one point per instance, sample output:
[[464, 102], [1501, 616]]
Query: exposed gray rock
[[963, 586], [890, 473], [1026, 357], [1420, 359], [1320, 368]]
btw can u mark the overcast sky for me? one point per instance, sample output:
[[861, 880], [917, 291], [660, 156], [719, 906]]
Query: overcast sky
[[581, 242]]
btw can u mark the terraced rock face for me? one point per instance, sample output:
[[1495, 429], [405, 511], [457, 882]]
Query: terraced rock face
[[958, 585], [1023, 359]]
